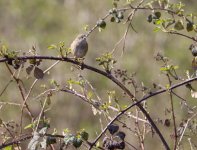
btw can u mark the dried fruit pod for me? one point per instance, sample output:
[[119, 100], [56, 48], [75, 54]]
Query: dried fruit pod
[[113, 128]]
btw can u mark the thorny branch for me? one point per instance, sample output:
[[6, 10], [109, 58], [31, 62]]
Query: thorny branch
[[109, 76], [143, 99]]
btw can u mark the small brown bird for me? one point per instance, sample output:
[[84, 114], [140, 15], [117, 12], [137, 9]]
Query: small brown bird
[[79, 46]]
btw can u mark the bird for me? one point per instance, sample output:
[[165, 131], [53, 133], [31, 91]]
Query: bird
[[79, 46]]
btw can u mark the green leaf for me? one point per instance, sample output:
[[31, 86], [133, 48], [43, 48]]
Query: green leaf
[[180, 5], [179, 25], [70, 82], [98, 144], [54, 83], [32, 61], [175, 67], [8, 148], [157, 14], [115, 4], [66, 131], [52, 46], [112, 19], [167, 86], [164, 69], [89, 95], [4, 50], [84, 135], [29, 126], [48, 100], [189, 27], [159, 21], [124, 106], [86, 27], [61, 44], [156, 29], [77, 142]]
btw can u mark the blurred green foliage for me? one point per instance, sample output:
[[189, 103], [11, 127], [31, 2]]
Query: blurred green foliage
[[41, 23]]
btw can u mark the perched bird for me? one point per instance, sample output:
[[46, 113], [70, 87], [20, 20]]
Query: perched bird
[[79, 46]]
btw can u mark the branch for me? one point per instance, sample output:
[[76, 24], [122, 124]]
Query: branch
[[177, 33], [140, 101], [24, 138], [170, 12], [107, 75], [16, 141], [84, 66], [99, 103], [91, 102]]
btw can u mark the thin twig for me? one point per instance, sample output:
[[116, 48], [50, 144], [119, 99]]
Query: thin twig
[[22, 94], [41, 113], [185, 127], [181, 34], [35, 81], [45, 93], [5, 87], [173, 113], [10, 103], [94, 101], [143, 99], [131, 15], [103, 18], [122, 39], [183, 100]]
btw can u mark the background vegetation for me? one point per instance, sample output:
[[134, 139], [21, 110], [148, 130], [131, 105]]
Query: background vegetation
[[34, 26]]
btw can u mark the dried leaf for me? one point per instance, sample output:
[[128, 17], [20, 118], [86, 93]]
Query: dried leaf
[[38, 73], [113, 128], [179, 25], [29, 69]]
